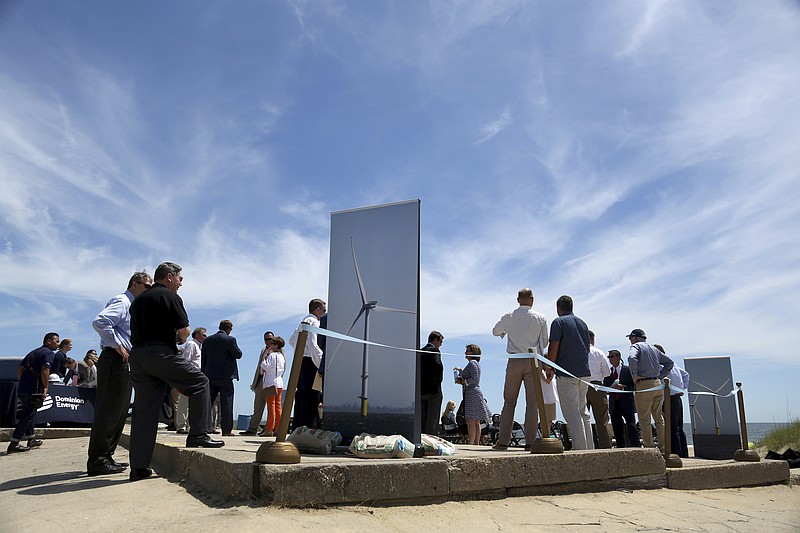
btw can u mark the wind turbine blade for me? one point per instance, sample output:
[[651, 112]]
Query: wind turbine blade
[[393, 309], [358, 274], [329, 360], [363, 308]]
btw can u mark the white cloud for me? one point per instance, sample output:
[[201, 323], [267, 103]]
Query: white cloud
[[490, 130]]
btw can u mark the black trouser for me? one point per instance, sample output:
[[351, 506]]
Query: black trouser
[[678, 444], [153, 367], [223, 387], [110, 406], [27, 419], [306, 401], [430, 412], [626, 410]]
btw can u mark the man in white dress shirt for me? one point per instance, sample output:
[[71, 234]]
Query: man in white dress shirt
[[525, 328], [598, 400], [191, 352], [306, 402]]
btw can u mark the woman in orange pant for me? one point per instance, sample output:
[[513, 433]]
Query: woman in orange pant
[[274, 365]]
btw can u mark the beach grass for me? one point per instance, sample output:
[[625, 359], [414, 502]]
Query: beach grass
[[781, 438]]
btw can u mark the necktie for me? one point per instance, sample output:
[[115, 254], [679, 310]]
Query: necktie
[[616, 376]]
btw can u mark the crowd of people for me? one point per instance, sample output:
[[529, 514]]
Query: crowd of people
[[580, 369], [141, 329]]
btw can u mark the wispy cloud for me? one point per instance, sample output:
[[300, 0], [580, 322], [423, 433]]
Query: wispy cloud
[[490, 130]]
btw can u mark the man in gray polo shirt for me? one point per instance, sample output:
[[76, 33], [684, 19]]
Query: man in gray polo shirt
[[648, 367]]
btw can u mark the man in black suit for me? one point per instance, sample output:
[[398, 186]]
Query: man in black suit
[[218, 362], [431, 373], [621, 406]]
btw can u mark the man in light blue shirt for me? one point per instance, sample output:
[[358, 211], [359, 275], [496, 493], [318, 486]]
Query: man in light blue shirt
[[113, 325], [678, 378]]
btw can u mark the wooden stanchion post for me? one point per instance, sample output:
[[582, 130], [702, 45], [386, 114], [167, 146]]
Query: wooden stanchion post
[[672, 460], [745, 454], [545, 443], [280, 451]]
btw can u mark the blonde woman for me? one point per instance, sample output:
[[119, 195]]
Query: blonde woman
[[449, 417], [475, 407]]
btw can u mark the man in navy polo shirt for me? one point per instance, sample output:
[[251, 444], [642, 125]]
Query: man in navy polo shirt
[[569, 349], [34, 378]]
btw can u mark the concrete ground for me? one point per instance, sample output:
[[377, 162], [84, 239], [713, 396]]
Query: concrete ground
[[47, 489]]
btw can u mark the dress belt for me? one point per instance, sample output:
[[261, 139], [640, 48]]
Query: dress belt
[[647, 379]]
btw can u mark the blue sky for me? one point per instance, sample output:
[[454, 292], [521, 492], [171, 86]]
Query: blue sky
[[639, 156]]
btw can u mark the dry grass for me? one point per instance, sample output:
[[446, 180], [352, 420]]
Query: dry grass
[[781, 438]]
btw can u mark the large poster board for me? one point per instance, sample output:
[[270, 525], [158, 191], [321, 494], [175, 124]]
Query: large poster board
[[373, 295], [715, 425]]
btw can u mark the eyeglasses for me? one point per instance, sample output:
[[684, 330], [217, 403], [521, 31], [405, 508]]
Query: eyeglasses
[[146, 285]]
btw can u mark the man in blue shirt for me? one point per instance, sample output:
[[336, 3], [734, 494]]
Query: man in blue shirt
[[648, 367], [113, 325], [569, 349], [34, 379]]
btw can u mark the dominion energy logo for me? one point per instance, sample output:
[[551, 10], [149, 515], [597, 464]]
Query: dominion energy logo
[[61, 402]]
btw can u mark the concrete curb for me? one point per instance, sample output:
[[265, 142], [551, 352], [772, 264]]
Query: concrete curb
[[728, 474], [49, 433]]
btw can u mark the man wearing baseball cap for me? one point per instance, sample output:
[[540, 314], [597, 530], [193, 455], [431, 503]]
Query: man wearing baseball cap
[[648, 367]]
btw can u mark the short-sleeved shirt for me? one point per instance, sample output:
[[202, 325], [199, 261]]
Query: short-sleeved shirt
[[32, 365], [156, 316], [572, 335]]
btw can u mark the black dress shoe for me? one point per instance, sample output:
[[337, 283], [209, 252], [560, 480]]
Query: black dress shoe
[[105, 468], [140, 473], [248, 432], [203, 441], [15, 447], [113, 462], [33, 443]]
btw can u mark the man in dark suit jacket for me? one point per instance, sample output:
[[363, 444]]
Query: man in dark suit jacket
[[621, 406], [431, 373], [218, 363]]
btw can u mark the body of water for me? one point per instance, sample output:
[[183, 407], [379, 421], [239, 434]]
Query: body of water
[[755, 430]]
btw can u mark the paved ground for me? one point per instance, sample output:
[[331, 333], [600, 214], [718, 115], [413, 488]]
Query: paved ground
[[35, 485]]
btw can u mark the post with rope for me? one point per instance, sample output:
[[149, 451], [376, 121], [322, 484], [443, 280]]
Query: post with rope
[[672, 460], [542, 444], [280, 451], [745, 454]]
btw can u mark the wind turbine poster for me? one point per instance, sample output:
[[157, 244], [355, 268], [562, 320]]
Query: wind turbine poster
[[715, 421], [374, 296]]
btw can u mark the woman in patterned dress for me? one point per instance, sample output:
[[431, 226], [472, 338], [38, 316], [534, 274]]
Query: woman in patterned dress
[[475, 407]]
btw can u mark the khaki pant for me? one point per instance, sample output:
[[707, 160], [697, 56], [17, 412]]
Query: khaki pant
[[648, 405], [598, 401], [518, 371], [259, 403], [181, 417]]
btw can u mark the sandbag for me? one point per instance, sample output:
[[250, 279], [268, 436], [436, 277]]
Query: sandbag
[[315, 440], [382, 447], [437, 446]]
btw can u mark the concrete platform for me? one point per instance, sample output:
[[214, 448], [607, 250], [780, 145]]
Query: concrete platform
[[475, 472]]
